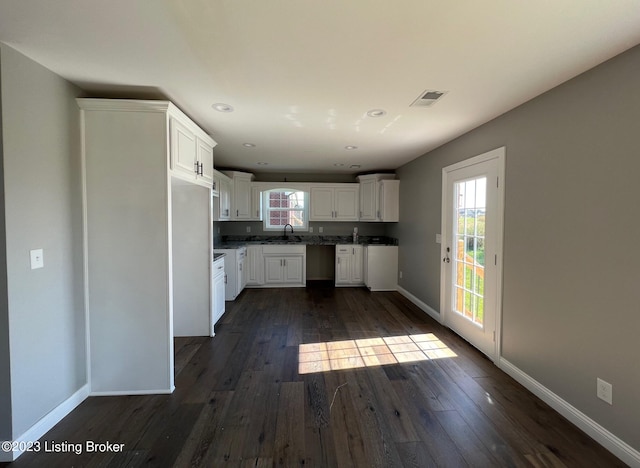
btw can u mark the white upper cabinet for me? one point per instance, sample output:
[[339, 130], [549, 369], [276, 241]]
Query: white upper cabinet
[[242, 208], [379, 198], [389, 201], [183, 149], [334, 202], [191, 154], [205, 159], [222, 203]]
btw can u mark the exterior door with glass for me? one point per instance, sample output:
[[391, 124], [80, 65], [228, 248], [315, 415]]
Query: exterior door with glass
[[472, 249]]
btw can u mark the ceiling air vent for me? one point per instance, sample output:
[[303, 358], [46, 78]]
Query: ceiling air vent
[[428, 98]]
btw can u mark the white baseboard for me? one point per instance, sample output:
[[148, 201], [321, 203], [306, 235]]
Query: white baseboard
[[135, 392], [45, 424], [426, 308], [618, 447]]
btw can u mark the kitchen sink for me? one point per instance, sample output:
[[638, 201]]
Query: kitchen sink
[[283, 240]]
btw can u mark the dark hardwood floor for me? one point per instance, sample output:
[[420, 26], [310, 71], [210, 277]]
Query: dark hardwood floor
[[254, 397]]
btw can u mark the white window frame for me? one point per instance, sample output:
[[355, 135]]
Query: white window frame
[[266, 209]]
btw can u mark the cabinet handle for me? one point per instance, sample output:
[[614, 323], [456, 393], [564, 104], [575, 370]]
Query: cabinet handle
[[201, 169], [225, 278], [197, 167], [237, 213]]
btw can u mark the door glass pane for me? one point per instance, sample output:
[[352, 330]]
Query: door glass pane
[[469, 259]]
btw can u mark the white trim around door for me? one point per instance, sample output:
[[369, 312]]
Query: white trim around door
[[472, 245]]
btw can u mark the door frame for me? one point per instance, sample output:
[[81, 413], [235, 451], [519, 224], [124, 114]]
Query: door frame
[[498, 154]]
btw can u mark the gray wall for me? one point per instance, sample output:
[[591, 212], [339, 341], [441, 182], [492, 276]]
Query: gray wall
[[5, 364], [570, 310], [42, 205]]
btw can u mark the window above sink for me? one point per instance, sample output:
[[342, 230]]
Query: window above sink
[[284, 206]]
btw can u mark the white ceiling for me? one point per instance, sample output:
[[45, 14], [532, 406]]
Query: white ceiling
[[301, 74]]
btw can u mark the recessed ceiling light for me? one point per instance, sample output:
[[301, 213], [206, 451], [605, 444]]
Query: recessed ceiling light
[[248, 145], [376, 112], [222, 107], [350, 147], [261, 163], [354, 166], [339, 165]]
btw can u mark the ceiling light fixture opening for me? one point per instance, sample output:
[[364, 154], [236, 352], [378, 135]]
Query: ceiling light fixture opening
[[338, 165], [222, 107], [350, 147], [354, 166], [376, 112], [249, 145], [262, 163]]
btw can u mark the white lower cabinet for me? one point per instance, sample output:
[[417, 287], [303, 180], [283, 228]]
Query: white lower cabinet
[[349, 265], [218, 292], [234, 269], [284, 265], [254, 265]]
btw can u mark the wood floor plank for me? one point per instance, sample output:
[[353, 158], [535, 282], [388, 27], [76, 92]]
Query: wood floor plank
[[204, 431], [243, 400], [289, 445]]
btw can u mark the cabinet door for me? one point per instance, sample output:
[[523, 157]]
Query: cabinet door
[[389, 200], [321, 204], [205, 158], [255, 265], [293, 270], [343, 267], [218, 298], [368, 200], [241, 201], [357, 265], [346, 203], [273, 270], [242, 274], [183, 149], [256, 203], [225, 200]]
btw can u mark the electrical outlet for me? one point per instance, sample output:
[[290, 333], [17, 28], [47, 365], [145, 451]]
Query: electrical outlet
[[310, 229], [604, 391], [400, 274], [248, 228], [438, 238], [320, 229], [218, 229]]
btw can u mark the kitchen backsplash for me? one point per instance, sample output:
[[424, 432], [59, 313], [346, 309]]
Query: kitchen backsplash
[[239, 228]]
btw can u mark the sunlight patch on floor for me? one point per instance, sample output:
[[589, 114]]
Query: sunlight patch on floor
[[353, 354]]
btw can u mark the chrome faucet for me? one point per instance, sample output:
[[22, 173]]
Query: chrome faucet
[[284, 234]]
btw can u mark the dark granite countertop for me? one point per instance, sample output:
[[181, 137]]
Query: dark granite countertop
[[230, 242]]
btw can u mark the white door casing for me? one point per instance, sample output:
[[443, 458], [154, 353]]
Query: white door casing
[[472, 238]]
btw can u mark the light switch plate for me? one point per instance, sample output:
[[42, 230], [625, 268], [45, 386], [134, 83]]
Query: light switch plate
[[438, 238], [37, 258]]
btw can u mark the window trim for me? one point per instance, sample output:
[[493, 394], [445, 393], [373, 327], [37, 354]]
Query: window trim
[[265, 208]]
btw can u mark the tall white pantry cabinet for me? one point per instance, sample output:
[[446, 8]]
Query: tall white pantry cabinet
[[147, 174]]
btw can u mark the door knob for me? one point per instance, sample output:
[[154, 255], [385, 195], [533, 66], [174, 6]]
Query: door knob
[[446, 259]]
